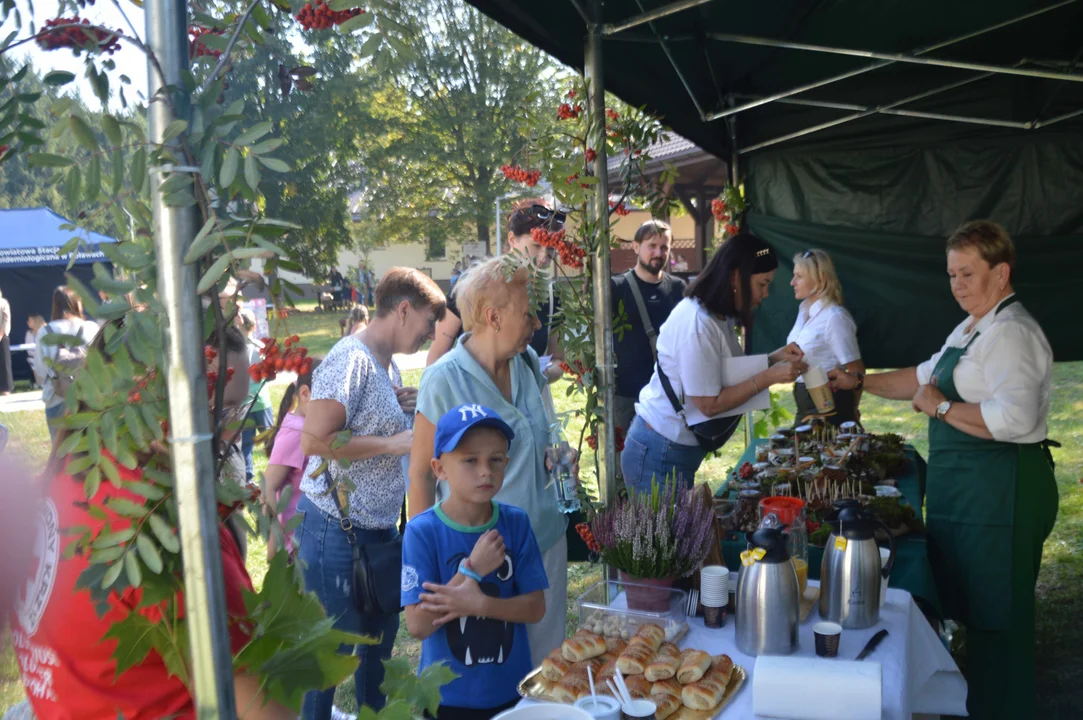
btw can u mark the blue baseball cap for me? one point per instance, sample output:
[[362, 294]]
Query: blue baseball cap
[[455, 422]]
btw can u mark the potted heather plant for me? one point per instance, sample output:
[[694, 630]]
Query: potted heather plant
[[652, 539]]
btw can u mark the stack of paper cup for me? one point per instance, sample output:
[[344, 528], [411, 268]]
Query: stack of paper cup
[[885, 554], [818, 388], [714, 586]]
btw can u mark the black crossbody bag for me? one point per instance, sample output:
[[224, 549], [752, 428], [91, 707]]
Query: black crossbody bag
[[710, 434], [372, 561]]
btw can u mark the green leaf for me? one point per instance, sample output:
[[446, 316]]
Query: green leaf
[[229, 168], [153, 422], [206, 161], [248, 253], [149, 553], [48, 160], [253, 133], [92, 483], [127, 508], [251, 172], [268, 245], [112, 574], [112, 131], [136, 636], [106, 540], [139, 169], [106, 555], [83, 134], [90, 300], [163, 533], [135, 426], [109, 469], [132, 570], [175, 182], [370, 46], [174, 130], [357, 22], [146, 490], [73, 185], [274, 164], [93, 180], [118, 172], [79, 464], [266, 146], [57, 78], [204, 241], [214, 273], [179, 199]]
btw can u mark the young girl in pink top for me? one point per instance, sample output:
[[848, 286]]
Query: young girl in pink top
[[286, 462]]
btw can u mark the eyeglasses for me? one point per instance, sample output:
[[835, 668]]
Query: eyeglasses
[[555, 218]]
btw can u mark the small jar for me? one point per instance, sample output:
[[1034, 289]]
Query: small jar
[[776, 441], [761, 452], [782, 457]]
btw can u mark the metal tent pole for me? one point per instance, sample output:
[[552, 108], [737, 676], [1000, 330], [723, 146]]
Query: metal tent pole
[[603, 320], [647, 16], [189, 415]]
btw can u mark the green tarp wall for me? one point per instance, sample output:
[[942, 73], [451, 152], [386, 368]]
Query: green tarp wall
[[884, 214]]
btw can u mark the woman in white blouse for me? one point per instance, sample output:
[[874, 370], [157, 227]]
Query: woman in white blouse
[[992, 498], [824, 331]]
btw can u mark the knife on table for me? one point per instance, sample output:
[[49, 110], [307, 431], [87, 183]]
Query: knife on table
[[871, 645]]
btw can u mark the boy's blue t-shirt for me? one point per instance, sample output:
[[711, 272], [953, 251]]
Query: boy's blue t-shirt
[[489, 656]]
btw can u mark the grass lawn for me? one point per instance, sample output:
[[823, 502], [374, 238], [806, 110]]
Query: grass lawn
[[1060, 586]]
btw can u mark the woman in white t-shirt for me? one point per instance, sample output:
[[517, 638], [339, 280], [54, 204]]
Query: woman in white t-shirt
[[67, 319], [824, 331], [692, 345]]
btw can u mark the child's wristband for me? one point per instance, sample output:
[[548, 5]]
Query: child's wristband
[[465, 570]]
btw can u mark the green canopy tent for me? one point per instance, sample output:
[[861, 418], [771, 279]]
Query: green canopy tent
[[870, 130]]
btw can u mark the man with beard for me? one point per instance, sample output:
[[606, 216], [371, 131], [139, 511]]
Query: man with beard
[[645, 295], [472, 573]]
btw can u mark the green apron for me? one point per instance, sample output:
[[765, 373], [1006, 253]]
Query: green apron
[[990, 506]]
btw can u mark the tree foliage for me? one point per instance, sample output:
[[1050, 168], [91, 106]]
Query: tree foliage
[[466, 100]]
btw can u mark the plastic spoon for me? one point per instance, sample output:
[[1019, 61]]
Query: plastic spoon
[[593, 695], [612, 689], [625, 696]]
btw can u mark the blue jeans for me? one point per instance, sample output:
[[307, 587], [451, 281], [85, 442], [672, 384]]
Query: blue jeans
[[328, 571], [264, 419], [648, 456]]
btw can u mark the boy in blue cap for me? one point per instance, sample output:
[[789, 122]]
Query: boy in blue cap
[[472, 574]]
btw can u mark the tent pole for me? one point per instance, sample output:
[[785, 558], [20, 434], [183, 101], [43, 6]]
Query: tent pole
[[877, 66], [896, 57], [646, 17], [603, 319], [735, 180], [189, 413], [1066, 116], [860, 115], [673, 62]]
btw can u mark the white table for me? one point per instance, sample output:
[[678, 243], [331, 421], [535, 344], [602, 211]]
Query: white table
[[919, 675]]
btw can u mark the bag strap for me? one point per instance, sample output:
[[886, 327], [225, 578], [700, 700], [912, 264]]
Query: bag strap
[[652, 334], [677, 406]]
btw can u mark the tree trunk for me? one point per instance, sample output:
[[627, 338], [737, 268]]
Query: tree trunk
[[483, 236]]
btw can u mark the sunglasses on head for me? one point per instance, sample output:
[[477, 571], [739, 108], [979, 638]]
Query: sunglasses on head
[[555, 218]]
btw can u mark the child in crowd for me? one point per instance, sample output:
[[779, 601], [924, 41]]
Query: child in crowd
[[472, 574], [286, 461], [34, 323], [258, 394]]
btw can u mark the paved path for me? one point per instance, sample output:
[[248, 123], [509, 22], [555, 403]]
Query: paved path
[[25, 401]]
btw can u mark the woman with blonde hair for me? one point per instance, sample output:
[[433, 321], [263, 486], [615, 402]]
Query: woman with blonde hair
[[824, 331], [495, 365]]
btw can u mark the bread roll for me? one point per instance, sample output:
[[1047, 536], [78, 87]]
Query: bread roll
[[635, 659], [705, 694], [651, 635], [638, 687], [667, 687], [721, 668], [666, 704], [668, 648], [615, 645], [662, 667], [583, 647], [694, 665], [554, 667], [572, 686]]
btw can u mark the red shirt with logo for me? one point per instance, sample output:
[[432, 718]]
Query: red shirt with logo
[[67, 669]]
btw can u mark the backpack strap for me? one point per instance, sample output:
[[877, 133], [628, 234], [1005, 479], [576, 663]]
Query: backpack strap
[[652, 334]]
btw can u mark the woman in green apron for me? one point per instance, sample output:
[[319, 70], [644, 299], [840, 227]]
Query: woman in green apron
[[991, 496]]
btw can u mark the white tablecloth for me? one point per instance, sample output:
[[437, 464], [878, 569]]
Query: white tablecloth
[[912, 658]]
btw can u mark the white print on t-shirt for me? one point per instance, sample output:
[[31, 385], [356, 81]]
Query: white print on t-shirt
[[409, 578], [36, 662], [31, 602]]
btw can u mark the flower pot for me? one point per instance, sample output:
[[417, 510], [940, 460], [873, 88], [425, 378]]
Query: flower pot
[[650, 594]]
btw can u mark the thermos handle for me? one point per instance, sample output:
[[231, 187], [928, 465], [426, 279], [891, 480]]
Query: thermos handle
[[886, 570]]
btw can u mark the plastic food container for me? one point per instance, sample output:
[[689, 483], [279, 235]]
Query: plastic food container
[[617, 609]]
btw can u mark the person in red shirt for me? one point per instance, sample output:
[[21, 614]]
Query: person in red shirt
[[66, 664]]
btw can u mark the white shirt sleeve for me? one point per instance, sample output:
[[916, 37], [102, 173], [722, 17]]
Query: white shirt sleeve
[[1014, 367], [841, 336], [699, 361], [925, 369], [40, 369]]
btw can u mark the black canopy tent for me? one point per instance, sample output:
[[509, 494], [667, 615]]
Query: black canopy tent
[[869, 129]]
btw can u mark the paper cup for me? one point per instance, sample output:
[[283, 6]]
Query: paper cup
[[827, 636], [639, 709], [714, 585], [601, 708], [885, 553]]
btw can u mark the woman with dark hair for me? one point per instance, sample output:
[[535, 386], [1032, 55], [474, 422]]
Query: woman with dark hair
[[528, 215], [67, 319], [699, 335]]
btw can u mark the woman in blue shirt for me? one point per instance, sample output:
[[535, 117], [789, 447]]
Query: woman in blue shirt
[[493, 365]]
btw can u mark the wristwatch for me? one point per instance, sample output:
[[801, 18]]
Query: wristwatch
[[942, 409], [464, 568]]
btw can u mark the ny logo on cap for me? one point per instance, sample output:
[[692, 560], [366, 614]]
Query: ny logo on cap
[[475, 411]]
